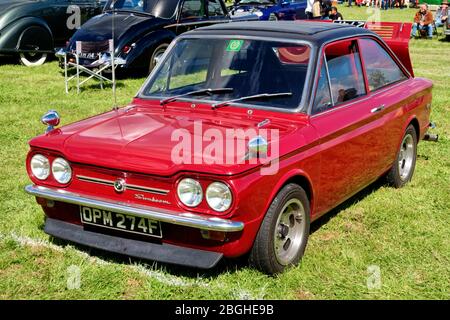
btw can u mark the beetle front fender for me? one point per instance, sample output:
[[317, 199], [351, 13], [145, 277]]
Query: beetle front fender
[[140, 55], [27, 34]]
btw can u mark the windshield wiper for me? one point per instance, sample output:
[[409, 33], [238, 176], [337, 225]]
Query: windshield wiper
[[197, 92], [254, 97]]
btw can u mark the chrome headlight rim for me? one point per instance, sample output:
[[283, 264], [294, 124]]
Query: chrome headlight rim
[[66, 172], [224, 206], [186, 182], [45, 162]]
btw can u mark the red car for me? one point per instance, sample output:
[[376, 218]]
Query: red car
[[242, 136]]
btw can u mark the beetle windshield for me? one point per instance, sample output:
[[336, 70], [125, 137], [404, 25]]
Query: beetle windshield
[[157, 8], [245, 67]]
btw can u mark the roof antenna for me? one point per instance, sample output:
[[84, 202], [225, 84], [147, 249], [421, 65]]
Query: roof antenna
[[113, 3]]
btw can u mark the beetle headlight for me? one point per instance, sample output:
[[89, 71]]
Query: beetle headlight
[[218, 196], [61, 170], [40, 166], [190, 192], [258, 13]]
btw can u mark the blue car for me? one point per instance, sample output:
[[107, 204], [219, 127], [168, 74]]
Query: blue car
[[268, 9]]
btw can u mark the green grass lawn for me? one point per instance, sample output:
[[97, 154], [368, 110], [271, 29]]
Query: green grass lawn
[[405, 233]]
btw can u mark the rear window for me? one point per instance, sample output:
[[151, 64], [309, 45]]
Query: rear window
[[381, 69]]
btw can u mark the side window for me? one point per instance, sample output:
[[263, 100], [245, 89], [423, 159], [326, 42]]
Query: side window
[[192, 9], [215, 8], [344, 68], [322, 100], [381, 69]]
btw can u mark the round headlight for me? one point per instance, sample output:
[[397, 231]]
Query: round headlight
[[190, 192], [62, 172], [219, 196], [40, 166], [258, 13]]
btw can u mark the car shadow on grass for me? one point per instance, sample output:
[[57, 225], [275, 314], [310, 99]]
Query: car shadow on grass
[[225, 265], [9, 60]]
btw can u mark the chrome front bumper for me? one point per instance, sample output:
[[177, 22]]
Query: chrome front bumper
[[183, 219]]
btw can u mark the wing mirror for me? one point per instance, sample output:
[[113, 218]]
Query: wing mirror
[[51, 119]]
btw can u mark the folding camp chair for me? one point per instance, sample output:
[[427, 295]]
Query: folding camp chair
[[95, 69]]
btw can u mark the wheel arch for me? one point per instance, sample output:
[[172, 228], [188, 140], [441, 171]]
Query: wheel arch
[[34, 22], [412, 120], [14, 34], [415, 123], [300, 178]]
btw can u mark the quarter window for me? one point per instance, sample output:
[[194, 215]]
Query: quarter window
[[381, 69], [345, 71], [322, 101]]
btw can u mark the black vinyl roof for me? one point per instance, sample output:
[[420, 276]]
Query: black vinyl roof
[[315, 32]]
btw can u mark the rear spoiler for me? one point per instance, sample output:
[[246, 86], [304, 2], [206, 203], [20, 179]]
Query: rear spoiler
[[395, 34]]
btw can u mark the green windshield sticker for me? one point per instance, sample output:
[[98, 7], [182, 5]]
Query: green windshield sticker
[[235, 45]]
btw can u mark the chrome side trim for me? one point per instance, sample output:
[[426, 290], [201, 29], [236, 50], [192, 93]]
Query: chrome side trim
[[95, 180], [127, 186], [185, 219]]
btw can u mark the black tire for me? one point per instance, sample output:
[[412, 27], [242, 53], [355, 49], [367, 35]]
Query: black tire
[[402, 170], [263, 255], [156, 54]]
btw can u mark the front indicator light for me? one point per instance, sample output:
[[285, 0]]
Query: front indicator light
[[61, 170], [40, 166]]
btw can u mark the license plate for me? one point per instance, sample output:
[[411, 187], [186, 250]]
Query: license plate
[[91, 56], [119, 221]]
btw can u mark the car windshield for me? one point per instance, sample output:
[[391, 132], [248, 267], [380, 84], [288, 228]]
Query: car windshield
[[245, 68], [157, 8]]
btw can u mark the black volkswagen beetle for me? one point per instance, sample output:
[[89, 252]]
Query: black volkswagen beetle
[[34, 28], [143, 29]]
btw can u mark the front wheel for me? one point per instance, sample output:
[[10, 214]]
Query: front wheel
[[157, 55], [33, 59], [402, 170], [283, 235]]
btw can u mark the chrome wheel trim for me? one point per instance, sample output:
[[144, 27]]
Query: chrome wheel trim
[[158, 55], [32, 59], [289, 231], [406, 157]]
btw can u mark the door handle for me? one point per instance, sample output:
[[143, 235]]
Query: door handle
[[378, 109]]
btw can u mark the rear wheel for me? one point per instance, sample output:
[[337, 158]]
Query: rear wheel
[[33, 59], [282, 238], [157, 55], [403, 168]]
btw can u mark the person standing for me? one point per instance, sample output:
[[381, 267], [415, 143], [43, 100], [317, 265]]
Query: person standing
[[316, 9], [423, 21], [309, 9]]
